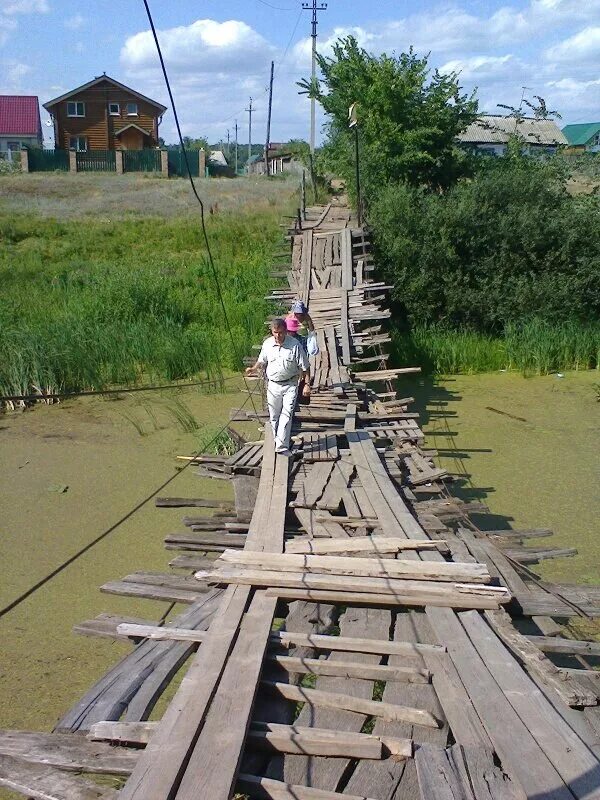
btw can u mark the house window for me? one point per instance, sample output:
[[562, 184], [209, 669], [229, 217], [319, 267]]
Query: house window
[[78, 143], [75, 109], [132, 109], [114, 109]]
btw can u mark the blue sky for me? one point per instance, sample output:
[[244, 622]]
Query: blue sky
[[218, 53]]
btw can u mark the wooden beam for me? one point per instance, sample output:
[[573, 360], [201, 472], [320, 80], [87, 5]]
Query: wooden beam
[[357, 567], [350, 669], [373, 708]]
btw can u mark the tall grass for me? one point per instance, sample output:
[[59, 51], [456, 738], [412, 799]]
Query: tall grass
[[87, 304], [533, 348]]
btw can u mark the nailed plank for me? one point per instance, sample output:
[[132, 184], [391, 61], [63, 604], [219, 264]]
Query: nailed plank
[[155, 775], [353, 644], [556, 644], [351, 669], [213, 764], [576, 765], [366, 544], [137, 733], [568, 688], [366, 567], [387, 711], [519, 751]]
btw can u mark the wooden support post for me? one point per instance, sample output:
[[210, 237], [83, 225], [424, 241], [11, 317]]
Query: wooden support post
[[24, 159], [164, 163]]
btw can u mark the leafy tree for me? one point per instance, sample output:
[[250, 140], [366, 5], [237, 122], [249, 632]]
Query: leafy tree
[[408, 117], [201, 143], [508, 245]]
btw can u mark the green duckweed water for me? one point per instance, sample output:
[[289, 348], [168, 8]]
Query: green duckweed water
[[540, 473]]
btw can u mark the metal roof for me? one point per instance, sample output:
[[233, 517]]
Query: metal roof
[[581, 134], [497, 130], [19, 115]]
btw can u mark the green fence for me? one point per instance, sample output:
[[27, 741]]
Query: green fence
[[96, 161], [48, 160], [177, 162], [141, 161]]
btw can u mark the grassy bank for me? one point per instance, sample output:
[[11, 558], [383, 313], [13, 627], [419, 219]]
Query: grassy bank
[[533, 348], [93, 301]]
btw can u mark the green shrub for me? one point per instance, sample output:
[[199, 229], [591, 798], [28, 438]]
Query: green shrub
[[507, 246]]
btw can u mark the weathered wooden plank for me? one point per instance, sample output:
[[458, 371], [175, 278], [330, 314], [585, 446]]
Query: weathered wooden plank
[[353, 644], [576, 765], [520, 753], [213, 764], [556, 644], [374, 708], [351, 669], [160, 767], [367, 544], [47, 783], [269, 789], [365, 567], [568, 688], [66, 751]]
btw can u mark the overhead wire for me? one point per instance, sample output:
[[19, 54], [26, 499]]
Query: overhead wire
[[83, 550], [194, 189]]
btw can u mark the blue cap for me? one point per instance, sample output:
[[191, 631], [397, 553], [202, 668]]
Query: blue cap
[[298, 307]]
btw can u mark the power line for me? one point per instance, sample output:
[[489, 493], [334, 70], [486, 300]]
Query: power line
[[82, 551], [194, 190]]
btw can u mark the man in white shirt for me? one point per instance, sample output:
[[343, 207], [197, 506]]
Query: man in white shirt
[[285, 361]]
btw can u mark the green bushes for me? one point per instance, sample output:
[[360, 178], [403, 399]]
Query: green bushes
[[88, 304], [533, 348], [508, 246]]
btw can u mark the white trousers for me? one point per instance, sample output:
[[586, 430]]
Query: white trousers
[[281, 399]]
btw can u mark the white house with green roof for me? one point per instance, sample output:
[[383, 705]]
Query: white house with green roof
[[584, 137]]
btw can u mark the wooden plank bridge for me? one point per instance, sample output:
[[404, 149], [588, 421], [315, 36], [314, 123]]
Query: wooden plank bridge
[[348, 631]]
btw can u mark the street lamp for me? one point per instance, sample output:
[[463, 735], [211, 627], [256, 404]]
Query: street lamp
[[353, 123]]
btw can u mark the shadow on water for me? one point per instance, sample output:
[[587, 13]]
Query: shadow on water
[[437, 406]]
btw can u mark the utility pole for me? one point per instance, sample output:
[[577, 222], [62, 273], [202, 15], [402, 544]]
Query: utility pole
[[312, 6], [228, 144], [268, 141], [236, 147], [249, 110]]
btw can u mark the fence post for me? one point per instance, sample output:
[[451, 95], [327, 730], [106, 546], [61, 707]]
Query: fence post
[[201, 163], [24, 159], [164, 163], [72, 160], [119, 162]]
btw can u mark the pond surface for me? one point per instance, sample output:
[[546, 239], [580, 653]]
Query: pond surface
[[110, 455], [535, 465]]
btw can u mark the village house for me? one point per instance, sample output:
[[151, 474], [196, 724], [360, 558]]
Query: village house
[[279, 161], [105, 115], [20, 124], [491, 134], [583, 138]]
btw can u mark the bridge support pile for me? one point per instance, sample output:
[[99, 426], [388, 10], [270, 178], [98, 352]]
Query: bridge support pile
[[348, 632]]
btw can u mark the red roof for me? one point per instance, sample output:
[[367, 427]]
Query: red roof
[[19, 116]]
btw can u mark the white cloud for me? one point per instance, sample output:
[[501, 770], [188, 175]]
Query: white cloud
[[13, 74], [583, 46], [205, 45], [24, 7], [7, 26], [75, 22], [481, 67]]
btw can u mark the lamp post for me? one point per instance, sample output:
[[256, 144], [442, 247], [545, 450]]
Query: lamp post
[[353, 123]]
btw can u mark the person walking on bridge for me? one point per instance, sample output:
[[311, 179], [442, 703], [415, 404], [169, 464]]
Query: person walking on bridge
[[284, 361]]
